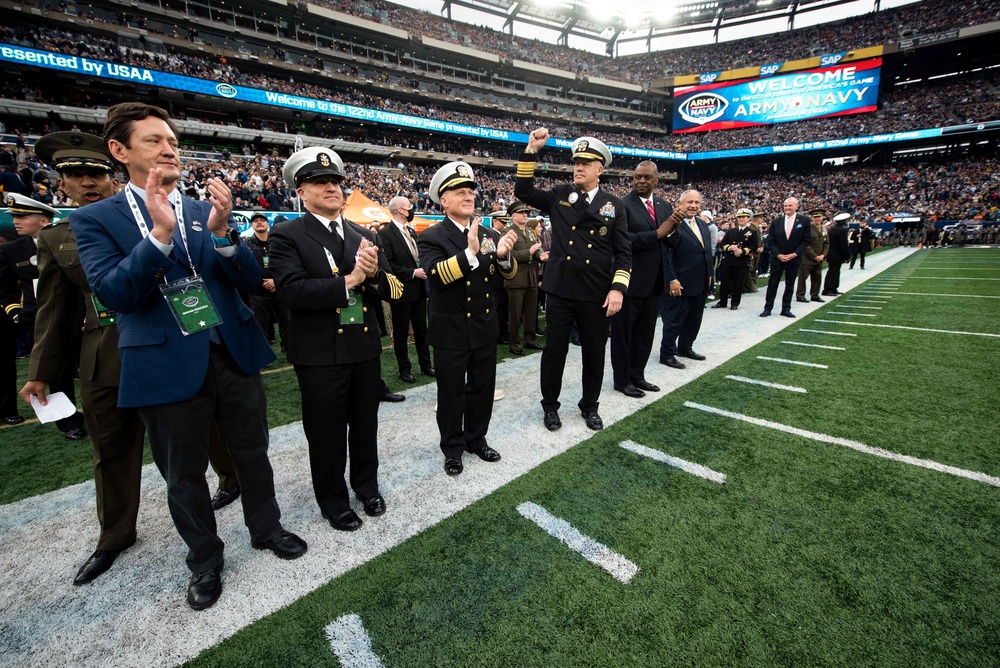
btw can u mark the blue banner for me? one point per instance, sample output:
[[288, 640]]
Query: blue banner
[[827, 91], [819, 145], [108, 70]]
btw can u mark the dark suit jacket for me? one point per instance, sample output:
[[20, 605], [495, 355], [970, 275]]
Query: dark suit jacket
[[777, 244], [160, 364], [591, 253], [862, 238], [685, 259], [401, 262], [314, 295], [647, 253], [839, 248], [462, 303], [17, 274], [60, 285]]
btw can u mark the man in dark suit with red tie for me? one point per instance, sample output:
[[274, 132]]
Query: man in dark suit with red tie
[[462, 257], [687, 270], [330, 274], [633, 327], [786, 241], [399, 243]]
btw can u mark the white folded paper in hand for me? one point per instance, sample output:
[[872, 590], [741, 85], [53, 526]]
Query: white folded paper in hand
[[57, 407]]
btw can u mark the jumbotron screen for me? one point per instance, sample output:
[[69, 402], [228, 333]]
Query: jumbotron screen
[[845, 88]]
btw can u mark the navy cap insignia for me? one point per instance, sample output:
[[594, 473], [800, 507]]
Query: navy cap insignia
[[324, 159], [463, 171], [582, 146]]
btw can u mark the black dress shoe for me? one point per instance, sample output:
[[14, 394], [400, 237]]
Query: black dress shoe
[[346, 520], [284, 544], [719, 305], [407, 377], [648, 387], [428, 371], [802, 299], [594, 421], [453, 466], [487, 454], [817, 299], [733, 308], [672, 362], [75, 434], [630, 390], [13, 419], [392, 397], [97, 565], [552, 421], [223, 497], [517, 350], [373, 505], [788, 314], [204, 588], [691, 355], [533, 346], [765, 313], [827, 293]]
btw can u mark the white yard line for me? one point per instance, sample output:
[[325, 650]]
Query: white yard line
[[874, 308], [796, 362], [812, 345], [912, 329], [777, 386], [350, 642], [955, 278], [931, 294], [863, 315], [823, 331], [676, 462], [853, 445], [596, 553]]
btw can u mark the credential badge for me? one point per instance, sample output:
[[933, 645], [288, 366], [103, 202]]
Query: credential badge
[[603, 231]]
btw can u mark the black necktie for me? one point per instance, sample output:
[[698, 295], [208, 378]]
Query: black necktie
[[338, 242]]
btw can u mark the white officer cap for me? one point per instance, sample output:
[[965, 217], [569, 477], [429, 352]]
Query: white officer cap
[[456, 174], [311, 162], [591, 148], [841, 217], [19, 205], [744, 212]]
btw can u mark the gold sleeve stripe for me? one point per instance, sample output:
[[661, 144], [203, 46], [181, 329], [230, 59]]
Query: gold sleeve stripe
[[525, 168], [449, 270], [395, 287], [513, 270], [622, 276], [10, 307]]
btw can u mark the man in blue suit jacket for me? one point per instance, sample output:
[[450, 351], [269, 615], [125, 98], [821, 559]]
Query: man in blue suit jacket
[[182, 383], [786, 241], [687, 270]]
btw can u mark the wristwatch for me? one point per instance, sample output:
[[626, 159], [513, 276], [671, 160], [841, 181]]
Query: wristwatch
[[232, 238]]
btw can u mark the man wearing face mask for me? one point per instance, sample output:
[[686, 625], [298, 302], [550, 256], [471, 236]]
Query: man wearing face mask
[[399, 243]]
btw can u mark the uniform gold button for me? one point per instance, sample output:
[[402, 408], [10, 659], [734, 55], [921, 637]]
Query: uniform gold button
[[592, 231], [486, 280], [468, 282], [487, 311], [338, 310], [590, 245], [568, 258], [364, 309], [487, 295], [468, 299], [570, 243], [340, 331], [588, 261], [366, 329], [468, 315], [573, 228]]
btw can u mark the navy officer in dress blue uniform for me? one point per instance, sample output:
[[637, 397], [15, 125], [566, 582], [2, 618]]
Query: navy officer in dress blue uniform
[[330, 275], [462, 258], [588, 271], [190, 348]]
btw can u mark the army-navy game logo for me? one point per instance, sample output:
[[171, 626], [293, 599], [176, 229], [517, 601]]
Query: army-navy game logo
[[225, 90], [190, 302], [703, 108]]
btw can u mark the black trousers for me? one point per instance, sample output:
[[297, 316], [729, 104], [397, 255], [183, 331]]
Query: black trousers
[[790, 272], [832, 281], [466, 380], [632, 331], [179, 436], [405, 315], [592, 322], [732, 282], [8, 367], [340, 417], [855, 254], [267, 311], [682, 318]]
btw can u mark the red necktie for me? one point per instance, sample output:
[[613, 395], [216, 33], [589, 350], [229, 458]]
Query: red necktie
[[649, 207]]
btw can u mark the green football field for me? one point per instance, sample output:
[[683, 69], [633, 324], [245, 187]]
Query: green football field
[[857, 523]]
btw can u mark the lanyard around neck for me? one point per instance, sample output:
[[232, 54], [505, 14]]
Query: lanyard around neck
[[144, 229]]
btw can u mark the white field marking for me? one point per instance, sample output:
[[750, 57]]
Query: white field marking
[[682, 464], [874, 308], [869, 301], [777, 386], [932, 294], [350, 642], [912, 329], [784, 361], [864, 315], [956, 278], [812, 345], [596, 553], [923, 268], [823, 331], [853, 445]]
